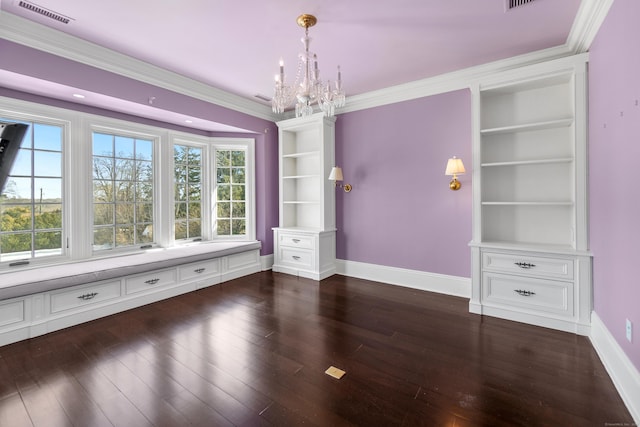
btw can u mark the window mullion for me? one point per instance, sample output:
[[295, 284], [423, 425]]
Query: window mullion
[[78, 190]]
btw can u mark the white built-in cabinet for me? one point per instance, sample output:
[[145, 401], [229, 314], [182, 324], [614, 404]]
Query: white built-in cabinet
[[530, 249], [37, 314], [305, 241]]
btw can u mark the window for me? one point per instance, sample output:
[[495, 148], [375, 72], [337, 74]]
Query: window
[[187, 192], [122, 191], [231, 218], [31, 208], [121, 188]]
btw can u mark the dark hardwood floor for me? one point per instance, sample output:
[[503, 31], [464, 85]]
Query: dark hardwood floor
[[253, 352]]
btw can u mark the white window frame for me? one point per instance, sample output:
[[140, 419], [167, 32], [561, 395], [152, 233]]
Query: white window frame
[[204, 144], [77, 228], [27, 112], [247, 144], [131, 130]]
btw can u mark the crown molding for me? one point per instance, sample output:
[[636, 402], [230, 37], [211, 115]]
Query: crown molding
[[591, 14], [461, 79], [31, 34], [588, 20], [590, 17]]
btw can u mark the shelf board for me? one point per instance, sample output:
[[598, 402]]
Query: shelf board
[[301, 202], [302, 154], [529, 162], [513, 203], [300, 176], [551, 124]]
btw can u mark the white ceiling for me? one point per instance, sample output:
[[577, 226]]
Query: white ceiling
[[235, 45]]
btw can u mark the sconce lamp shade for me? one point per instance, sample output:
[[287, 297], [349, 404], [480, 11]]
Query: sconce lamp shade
[[336, 174], [454, 167]]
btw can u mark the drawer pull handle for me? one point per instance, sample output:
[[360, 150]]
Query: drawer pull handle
[[524, 264], [86, 297], [199, 270], [296, 257], [151, 281], [295, 240], [524, 293]]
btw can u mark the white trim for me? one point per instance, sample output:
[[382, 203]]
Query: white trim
[[28, 33], [448, 82], [623, 373], [588, 20], [266, 262], [432, 282], [78, 175], [248, 145], [590, 17]]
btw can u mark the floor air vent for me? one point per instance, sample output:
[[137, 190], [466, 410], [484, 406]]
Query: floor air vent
[[44, 12], [512, 4]]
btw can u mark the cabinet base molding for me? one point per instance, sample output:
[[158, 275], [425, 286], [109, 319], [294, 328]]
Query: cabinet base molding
[[321, 275], [532, 319]]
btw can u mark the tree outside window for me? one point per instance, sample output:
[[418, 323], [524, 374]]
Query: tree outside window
[[231, 215], [187, 192], [122, 191]]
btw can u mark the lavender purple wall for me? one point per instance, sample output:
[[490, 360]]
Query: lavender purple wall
[[32, 62], [401, 212], [614, 150]]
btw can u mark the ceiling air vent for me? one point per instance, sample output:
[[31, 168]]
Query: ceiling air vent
[[512, 4], [44, 12]]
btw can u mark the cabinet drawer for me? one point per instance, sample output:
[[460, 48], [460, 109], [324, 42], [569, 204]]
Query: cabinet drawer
[[84, 296], [296, 240], [199, 270], [296, 257], [150, 280], [540, 295], [558, 268], [12, 312]]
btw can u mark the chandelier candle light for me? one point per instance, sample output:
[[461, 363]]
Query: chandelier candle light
[[307, 89]]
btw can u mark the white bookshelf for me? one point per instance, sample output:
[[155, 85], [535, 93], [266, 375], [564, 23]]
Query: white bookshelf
[[304, 241], [530, 195]]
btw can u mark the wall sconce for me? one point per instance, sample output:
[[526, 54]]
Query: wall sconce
[[455, 168], [335, 176]]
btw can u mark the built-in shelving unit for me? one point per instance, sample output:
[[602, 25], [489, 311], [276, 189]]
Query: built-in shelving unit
[[305, 239], [530, 194]]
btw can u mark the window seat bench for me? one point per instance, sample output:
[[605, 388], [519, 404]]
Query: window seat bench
[[35, 301]]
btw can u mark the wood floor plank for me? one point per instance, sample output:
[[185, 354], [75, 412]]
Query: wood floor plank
[[253, 352], [13, 412], [76, 403]]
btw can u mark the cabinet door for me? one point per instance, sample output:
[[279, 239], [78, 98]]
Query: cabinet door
[[199, 270], [12, 312], [299, 258], [530, 294], [528, 265], [84, 296], [149, 281]]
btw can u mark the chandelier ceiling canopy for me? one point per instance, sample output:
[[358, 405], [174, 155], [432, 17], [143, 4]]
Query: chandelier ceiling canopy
[[308, 89]]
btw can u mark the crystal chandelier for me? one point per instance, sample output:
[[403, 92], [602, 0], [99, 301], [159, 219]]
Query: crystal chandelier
[[307, 89]]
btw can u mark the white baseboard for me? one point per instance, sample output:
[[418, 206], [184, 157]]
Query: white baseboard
[[266, 262], [623, 373], [432, 282]]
